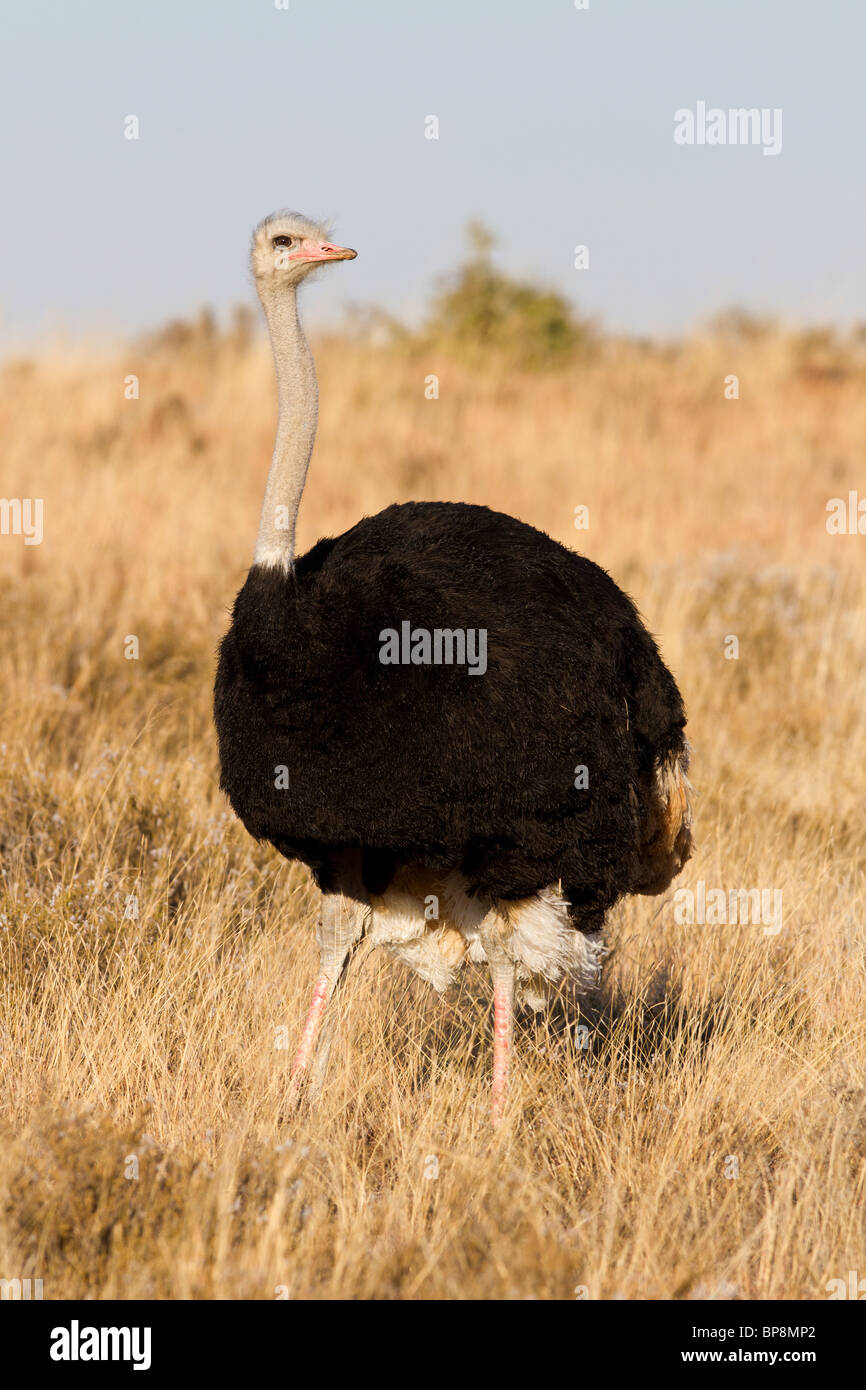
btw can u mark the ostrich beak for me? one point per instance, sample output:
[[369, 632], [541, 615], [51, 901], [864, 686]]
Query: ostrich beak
[[323, 251]]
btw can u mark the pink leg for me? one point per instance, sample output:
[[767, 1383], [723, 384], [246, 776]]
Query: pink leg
[[312, 1024], [502, 1020], [341, 926], [502, 972]]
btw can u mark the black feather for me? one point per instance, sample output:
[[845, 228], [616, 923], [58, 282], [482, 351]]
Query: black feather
[[429, 764]]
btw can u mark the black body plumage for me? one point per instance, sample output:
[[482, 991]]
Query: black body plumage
[[427, 764]]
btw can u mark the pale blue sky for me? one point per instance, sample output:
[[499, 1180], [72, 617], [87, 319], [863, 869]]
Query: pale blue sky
[[556, 128]]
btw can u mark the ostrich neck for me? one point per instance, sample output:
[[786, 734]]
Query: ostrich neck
[[296, 430]]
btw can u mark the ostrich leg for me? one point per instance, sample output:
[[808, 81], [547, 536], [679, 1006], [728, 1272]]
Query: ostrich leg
[[340, 928], [502, 972]]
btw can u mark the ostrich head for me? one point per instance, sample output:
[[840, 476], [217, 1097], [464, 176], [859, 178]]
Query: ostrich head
[[287, 246], [286, 249]]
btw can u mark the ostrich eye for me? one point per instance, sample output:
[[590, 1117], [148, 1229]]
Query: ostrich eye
[[284, 241]]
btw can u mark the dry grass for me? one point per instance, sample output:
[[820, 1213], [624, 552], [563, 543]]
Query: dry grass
[[155, 1037]]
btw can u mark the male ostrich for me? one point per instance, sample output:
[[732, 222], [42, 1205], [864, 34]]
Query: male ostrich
[[444, 809]]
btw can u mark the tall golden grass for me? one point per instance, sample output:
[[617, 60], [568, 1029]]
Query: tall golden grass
[[710, 1141]]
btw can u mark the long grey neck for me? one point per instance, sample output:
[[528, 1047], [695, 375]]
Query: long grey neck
[[296, 429]]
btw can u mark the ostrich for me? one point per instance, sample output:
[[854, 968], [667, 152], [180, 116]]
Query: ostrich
[[492, 810]]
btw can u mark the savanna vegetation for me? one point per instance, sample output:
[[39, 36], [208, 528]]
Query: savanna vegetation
[[696, 1129]]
